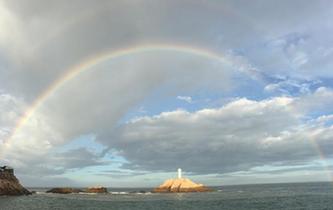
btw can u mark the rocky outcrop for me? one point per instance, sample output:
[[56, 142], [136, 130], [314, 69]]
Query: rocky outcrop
[[64, 190], [96, 190], [68, 190], [180, 185], [10, 185]]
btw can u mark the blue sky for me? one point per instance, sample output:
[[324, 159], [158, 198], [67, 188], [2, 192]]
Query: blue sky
[[263, 115]]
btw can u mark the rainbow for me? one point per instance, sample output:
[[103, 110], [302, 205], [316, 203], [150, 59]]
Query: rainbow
[[83, 66], [76, 70]]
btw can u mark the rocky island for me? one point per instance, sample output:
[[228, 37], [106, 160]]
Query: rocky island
[[68, 190], [96, 190], [9, 184], [64, 190], [180, 185]]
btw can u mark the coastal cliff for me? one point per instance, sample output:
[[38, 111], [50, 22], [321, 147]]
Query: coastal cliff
[[10, 185], [180, 185]]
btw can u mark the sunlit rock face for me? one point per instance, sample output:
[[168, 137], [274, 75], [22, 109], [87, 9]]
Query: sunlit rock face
[[180, 185], [10, 185], [96, 190]]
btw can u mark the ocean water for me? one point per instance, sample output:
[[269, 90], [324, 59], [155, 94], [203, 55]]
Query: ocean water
[[312, 196]]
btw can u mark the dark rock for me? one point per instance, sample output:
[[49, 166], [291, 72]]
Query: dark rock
[[64, 190], [10, 185]]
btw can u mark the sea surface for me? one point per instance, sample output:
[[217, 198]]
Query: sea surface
[[312, 196]]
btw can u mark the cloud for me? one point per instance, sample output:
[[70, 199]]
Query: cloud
[[297, 54], [76, 159], [288, 86], [40, 40], [93, 103], [79, 29], [10, 110], [319, 102], [36, 154], [239, 136], [187, 99]]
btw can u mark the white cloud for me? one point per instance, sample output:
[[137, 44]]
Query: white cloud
[[187, 99], [320, 101], [32, 149], [11, 109], [92, 103], [239, 136], [40, 39], [79, 29], [289, 86]]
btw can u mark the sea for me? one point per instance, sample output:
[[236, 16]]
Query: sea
[[302, 196]]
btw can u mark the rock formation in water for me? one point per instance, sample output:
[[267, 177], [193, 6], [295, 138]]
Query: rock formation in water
[[96, 190], [180, 185], [68, 190], [64, 190], [9, 184]]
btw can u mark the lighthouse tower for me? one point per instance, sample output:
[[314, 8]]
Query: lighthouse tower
[[179, 173]]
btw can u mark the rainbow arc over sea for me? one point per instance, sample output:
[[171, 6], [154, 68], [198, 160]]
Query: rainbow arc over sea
[[90, 62]]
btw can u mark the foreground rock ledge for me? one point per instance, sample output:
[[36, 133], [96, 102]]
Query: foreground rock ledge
[[180, 185], [10, 185]]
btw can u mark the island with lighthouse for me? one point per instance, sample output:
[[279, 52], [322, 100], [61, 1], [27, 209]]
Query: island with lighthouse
[[9, 185], [180, 185]]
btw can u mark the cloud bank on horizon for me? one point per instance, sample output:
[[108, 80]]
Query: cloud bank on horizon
[[264, 114]]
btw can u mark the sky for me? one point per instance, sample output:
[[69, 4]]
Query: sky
[[122, 93]]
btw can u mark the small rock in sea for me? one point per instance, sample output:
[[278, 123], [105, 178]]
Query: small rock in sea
[[96, 190], [64, 190]]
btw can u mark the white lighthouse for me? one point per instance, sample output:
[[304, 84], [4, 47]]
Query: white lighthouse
[[179, 173]]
